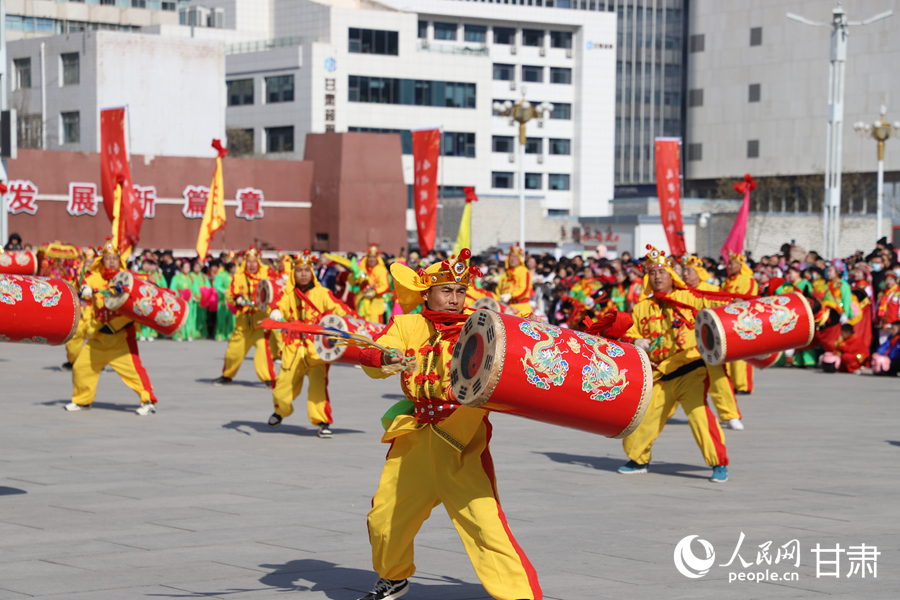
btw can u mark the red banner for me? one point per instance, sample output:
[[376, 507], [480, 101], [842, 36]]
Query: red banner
[[426, 151], [114, 169], [668, 188]]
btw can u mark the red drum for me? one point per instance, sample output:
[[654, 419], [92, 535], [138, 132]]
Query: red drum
[[147, 304], [331, 352], [36, 310], [268, 293], [18, 262], [494, 305], [754, 328], [542, 372], [764, 362]]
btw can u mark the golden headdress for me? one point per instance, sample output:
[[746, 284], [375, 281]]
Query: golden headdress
[[517, 250], [657, 259], [410, 284], [696, 263]]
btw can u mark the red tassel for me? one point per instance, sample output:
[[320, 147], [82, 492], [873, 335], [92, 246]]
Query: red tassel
[[217, 144]]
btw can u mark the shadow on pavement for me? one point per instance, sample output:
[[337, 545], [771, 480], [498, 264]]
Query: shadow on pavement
[[893, 442], [393, 396], [606, 463], [8, 491], [253, 384], [95, 405], [260, 427]]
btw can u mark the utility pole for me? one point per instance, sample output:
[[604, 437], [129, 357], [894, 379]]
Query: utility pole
[[831, 209]]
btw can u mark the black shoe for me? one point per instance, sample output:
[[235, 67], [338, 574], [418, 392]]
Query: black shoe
[[222, 381], [269, 384], [742, 393], [274, 420], [385, 589], [67, 366], [325, 432]]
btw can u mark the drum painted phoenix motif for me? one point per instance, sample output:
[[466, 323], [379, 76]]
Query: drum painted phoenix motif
[[147, 304], [754, 328], [559, 376], [37, 310], [18, 262]]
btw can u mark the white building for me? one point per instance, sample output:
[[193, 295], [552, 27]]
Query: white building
[[174, 90], [43, 18]]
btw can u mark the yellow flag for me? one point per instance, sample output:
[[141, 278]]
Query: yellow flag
[[464, 237], [214, 215]]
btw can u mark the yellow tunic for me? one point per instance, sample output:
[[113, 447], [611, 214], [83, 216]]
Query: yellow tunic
[[369, 299], [246, 334], [517, 283]]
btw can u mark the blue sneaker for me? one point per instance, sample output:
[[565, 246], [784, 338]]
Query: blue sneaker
[[631, 467], [720, 474]]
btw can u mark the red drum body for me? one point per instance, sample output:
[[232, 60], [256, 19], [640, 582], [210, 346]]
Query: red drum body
[[764, 362], [544, 373], [268, 293], [36, 310], [18, 262], [494, 305], [147, 304], [331, 352], [754, 328]]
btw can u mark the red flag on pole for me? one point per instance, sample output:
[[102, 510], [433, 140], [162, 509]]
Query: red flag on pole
[[426, 152], [668, 188], [115, 173], [735, 240]]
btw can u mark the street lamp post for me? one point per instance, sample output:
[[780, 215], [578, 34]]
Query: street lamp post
[[521, 112], [880, 131]]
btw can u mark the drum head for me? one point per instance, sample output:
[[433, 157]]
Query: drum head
[[264, 293], [488, 303], [325, 347], [710, 337], [478, 357], [124, 279]]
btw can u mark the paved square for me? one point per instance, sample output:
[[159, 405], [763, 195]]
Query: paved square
[[203, 500]]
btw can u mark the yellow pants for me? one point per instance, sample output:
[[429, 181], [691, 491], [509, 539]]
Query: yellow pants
[[295, 365], [690, 390], [242, 339], [73, 346], [722, 393], [423, 471], [741, 375], [120, 351]]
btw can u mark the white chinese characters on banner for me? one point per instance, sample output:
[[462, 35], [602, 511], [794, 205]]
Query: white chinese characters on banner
[[147, 196], [195, 197], [22, 197], [82, 199], [250, 201]]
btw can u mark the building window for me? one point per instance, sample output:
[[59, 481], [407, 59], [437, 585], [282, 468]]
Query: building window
[[280, 139], [504, 35], [756, 36], [561, 147], [561, 39], [240, 92], [23, 73], [534, 146], [559, 182], [695, 152], [476, 33], [280, 89], [502, 143], [752, 148], [504, 72], [165, 5], [697, 43], [695, 98], [445, 31], [138, 3], [458, 144], [423, 30], [70, 68], [532, 37], [534, 181], [561, 110], [240, 142], [561, 75], [30, 131], [71, 127], [373, 41], [532, 74], [411, 92], [557, 212], [501, 180], [755, 92]]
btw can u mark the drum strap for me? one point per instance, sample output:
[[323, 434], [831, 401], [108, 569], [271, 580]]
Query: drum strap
[[683, 370]]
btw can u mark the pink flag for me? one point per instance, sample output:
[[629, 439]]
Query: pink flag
[[735, 241]]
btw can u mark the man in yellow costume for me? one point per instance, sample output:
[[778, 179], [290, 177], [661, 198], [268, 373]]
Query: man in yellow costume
[[111, 340], [74, 345], [696, 277], [740, 280], [372, 279], [514, 287], [439, 450], [664, 328], [304, 301], [241, 300]]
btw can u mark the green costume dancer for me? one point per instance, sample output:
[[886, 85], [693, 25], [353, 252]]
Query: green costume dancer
[[200, 316], [183, 281], [224, 317], [151, 274]]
